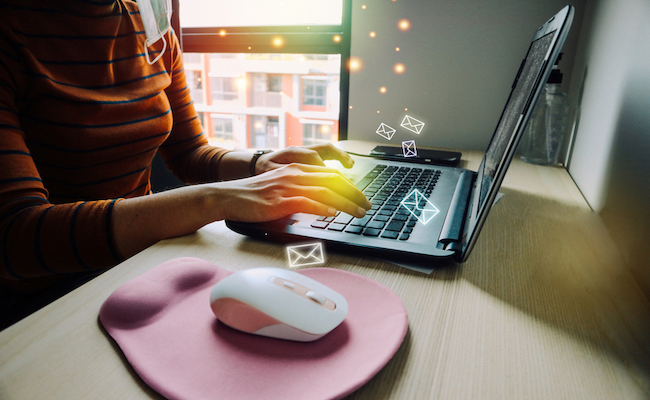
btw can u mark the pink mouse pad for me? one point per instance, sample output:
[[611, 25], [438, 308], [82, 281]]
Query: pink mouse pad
[[163, 323]]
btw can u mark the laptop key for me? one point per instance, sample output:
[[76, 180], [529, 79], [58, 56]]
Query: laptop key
[[390, 234], [361, 221], [320, 224], [371, 232], [400, 217], [354, 229], [404, 236], [395, 226], [344, 218], [336, 227], [376, 224]]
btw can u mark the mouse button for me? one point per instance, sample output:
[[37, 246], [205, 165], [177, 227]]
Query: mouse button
[[318, 298], [241, 316], [321, 300]]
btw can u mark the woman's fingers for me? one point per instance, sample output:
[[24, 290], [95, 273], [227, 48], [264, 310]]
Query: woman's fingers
[[330, 152], [292, 189]]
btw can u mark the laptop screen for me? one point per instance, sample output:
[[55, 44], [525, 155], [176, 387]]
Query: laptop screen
[[509, 130], [512, 115]]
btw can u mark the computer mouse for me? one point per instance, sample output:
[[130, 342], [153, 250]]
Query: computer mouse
[[277, 303]]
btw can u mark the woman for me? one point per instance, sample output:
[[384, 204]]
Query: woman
[[82, 114]]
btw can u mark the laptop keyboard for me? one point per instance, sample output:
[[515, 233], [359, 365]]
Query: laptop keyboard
[[385, 187]]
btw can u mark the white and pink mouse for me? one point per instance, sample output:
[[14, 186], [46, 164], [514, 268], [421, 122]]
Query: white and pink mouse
[[278, 303]]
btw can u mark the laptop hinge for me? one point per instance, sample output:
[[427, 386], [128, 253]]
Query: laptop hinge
[[452, 228]]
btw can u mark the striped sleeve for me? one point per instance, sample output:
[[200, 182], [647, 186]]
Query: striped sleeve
[[38, 238], [186, 151]]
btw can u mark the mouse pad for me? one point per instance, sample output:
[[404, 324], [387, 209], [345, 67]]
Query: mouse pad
[[163, 324]]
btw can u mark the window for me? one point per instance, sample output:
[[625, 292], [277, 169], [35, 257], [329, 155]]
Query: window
[[266, 132], [195, 83], [224, 88], [314, 92], [263, 67], [317, 132], [274, 83], [222, 131]]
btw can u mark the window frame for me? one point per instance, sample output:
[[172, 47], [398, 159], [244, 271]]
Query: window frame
[[258, 39]]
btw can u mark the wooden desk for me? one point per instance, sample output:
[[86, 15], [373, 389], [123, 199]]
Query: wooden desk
[[543, 309]]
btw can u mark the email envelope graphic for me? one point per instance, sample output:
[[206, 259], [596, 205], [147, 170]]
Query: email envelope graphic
[[385, 131], [305, 254], [412, 124], [409, 149], [420, 206]]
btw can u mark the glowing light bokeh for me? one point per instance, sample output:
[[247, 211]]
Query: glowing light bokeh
[[277, 42], [399, 68], [355, 64], [383, 89], [336, 38], [404, 24], [372, 34], [241, 83], [222, 32]]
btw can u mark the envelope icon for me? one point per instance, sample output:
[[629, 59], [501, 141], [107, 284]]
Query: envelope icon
[[409, 149], [305, 254], [385, 131], [412, 124], [419, 206]]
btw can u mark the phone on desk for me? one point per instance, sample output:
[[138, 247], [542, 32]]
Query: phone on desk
[[424, 156]]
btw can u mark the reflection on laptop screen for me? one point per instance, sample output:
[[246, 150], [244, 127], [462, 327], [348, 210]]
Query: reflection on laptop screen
[[504, 134]]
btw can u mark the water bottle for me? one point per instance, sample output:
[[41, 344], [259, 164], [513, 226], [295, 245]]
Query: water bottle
[[544, 134]]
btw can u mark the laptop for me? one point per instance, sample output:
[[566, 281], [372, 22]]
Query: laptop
[[427, 214]]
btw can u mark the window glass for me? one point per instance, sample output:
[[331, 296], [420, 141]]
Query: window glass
[[265, 100], [229, 13]]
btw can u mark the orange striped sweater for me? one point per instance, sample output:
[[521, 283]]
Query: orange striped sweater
[[81, 116]]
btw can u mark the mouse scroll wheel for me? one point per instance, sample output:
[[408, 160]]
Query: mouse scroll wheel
[[316, 297]]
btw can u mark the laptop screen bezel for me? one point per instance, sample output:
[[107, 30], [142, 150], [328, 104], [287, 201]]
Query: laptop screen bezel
[[560, 24]]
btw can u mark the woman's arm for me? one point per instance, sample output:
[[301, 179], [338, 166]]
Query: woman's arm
[[292, 188]]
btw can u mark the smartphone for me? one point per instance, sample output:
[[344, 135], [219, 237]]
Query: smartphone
[[424, 156]]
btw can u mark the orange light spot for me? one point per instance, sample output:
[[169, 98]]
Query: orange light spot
[[355, 64], [404, 24]]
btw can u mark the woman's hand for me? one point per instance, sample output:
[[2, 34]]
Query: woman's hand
[[312, 155], [289, 189]]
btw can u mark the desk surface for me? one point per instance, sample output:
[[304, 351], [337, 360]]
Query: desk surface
[[543, 309]]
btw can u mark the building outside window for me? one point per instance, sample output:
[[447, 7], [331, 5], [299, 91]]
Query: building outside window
[[222, 130], [317, 132], [314, 92], [257, 95], [224, 88]]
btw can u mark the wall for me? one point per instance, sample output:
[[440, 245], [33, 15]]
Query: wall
[[460, 59], [610, 161]]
